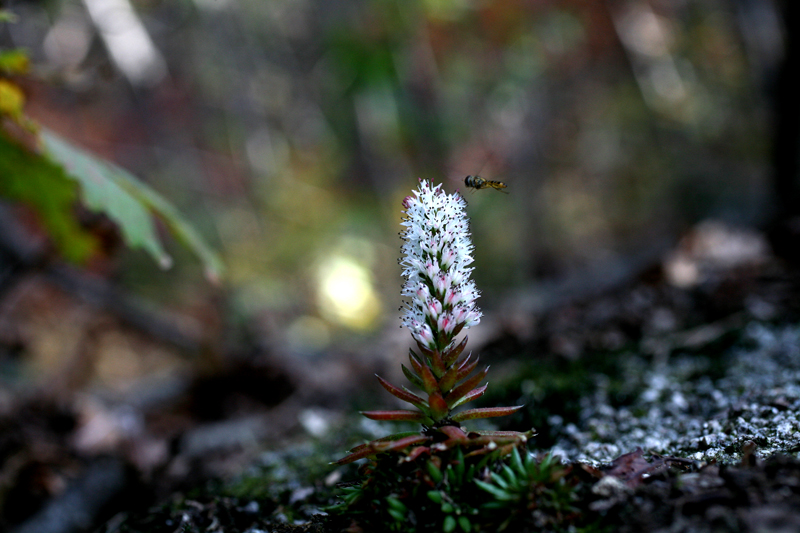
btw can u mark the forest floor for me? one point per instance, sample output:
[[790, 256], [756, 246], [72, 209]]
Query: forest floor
[[672, 399]]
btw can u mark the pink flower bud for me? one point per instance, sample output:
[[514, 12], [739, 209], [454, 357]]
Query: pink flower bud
[[422, 293], [433, 309], [473, 319], [451, 297], [424, 335], [448, 256], [431, 269], [446, 323], [460, 314], [440, 285]]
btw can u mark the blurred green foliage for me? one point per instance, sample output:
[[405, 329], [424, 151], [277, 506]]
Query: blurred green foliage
[[48, 174]]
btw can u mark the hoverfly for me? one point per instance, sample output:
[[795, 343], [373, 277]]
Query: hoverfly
[[477, 183]]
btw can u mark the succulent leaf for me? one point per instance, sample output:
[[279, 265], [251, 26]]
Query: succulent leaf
[[435, 473], [459, 466], [438, 406], [388, 438], [435, 359], [397, 515], [516, 463], [495, 491], [429, 382], [355, 456], [508, 474], [416, 362], [412, 377], [451, 376], [435, 496], [399, 444], [466, 367], [457, 393], [395, 442], [404, 395], [449, 356], [403, 415], [485, 412], [471, 395], [395, 503]]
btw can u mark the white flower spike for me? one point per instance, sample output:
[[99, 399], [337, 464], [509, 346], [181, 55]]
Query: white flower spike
[[437, 252]]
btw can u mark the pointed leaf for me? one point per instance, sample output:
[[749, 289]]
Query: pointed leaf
[[427, 352], [450, 356], [514, 438], [399, 444], [516, 463], [471, 395], [392, 437], [397, 416], [508, 474], [401, 394], [466, 368], [429, 382], [416, 452], [413, 378], [438, 405], [501, 482], [451, 377], [458, 467], [515, 434], [416, 362], [498, 451], [485, 412], [495, 491], [390, 443], [434, 357], [457, 393], [437, 364], [355, 456]]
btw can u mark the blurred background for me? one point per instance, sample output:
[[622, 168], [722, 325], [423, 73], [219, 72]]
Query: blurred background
[[288, 133]]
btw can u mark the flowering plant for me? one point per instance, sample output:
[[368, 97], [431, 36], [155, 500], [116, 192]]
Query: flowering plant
[[437, 254]]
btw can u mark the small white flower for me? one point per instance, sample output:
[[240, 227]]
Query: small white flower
[[446, 323], [437, 252], [433, 309], [440, 283], [422, 292], [451, 297]]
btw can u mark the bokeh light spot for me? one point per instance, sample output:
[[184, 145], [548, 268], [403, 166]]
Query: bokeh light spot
[[345, 293]]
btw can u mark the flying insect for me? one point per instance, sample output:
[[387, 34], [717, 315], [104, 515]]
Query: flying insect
[[477, 183]]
